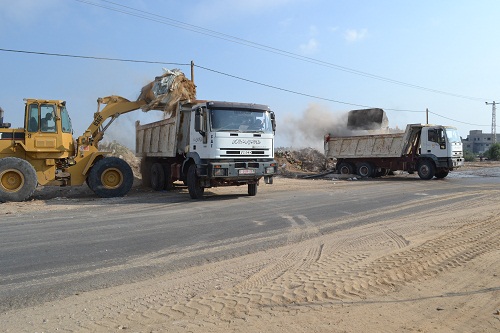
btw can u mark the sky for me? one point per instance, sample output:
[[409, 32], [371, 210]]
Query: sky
[[311, 61]]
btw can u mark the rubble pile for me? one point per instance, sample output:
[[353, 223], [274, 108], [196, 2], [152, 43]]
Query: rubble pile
[[292, 163], [166, 91], [124, 153]]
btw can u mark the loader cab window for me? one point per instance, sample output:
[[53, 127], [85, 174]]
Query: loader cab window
[[65, 121], [48, 121], [33, 118]]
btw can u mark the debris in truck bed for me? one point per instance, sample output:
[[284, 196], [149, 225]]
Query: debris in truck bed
[[167, 90], [367, 119]]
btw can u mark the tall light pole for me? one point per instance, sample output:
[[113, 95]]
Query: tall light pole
[[493, 121]]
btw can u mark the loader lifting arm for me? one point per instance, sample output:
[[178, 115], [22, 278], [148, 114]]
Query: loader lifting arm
[[115, 106]]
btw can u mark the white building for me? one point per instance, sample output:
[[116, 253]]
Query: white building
[[478, 142]]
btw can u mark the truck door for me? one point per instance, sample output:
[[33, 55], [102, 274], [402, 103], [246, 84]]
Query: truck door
[[435, 141], [41, 127]]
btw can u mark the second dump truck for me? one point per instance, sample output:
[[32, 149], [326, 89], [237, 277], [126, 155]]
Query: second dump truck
[[207, 144], [430, 150]]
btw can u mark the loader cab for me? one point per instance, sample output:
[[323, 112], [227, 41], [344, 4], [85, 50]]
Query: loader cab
[[48, 128]]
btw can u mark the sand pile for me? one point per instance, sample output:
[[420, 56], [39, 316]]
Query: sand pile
[[166, 91]]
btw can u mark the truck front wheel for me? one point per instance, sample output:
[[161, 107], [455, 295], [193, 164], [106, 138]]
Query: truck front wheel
[[252, 189], [110, 177], [442, 173], [17, 179], [426, 169], [194, 184]]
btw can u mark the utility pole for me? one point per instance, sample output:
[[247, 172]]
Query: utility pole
[[493, 121]]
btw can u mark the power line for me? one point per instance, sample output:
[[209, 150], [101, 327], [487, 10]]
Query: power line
[[295, 92], [93, 58], [197, 29], [228, 75]]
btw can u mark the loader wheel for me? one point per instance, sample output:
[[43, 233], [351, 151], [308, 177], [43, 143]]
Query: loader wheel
[[193, 183], [17, 179], [252, 189], [426, 169], [110, 177], [157, 177]]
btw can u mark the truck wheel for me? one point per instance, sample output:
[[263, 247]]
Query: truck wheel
[[365, 170], [426, 169], [442, 173], [110, 177], [252, 189], [157, 177], [193, 183], [168, 183], [17, 179], [345, 168], [382, 172], [146, 172]]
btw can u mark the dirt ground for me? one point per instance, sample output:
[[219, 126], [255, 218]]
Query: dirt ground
[[433, 271]]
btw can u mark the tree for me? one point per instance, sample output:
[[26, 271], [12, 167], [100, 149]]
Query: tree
[[494, 152], [469, 156]]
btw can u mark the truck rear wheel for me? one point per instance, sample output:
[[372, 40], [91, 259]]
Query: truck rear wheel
[[194, 184], [252, 189], [426, 169], [365, 170], [17, 179], [146, 172], [110, 177], [345, 168], [168, 183], [157, 176]]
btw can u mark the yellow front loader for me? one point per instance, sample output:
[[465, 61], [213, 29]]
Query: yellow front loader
[[44, 151]]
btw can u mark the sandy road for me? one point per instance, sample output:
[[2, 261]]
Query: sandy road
[[426, 265]]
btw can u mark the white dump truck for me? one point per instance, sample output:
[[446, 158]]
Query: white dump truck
[[431, 150], [207, 144]]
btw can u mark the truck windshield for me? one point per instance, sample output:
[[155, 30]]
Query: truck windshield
[[240, 120], [453, 135]]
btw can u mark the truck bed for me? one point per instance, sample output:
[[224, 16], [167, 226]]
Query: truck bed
[[366, 146], [157, 139]]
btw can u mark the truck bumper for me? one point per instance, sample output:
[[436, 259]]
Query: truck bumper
[[450, 163], [242, 170]]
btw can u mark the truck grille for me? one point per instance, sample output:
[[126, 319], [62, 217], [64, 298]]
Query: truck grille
[[225, 152]]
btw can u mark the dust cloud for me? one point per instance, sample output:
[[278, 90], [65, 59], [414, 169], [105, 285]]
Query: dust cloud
[[309, 128]]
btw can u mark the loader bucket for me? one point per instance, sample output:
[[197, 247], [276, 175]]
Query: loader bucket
[[367, 119]]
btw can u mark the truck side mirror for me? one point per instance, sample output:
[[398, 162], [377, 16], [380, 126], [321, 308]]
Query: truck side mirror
[[273, 121], [199, 121]]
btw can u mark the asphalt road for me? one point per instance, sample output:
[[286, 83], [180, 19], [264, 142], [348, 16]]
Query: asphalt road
[[73, 245]]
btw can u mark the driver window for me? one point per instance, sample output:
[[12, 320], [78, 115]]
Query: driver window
[[47, 123], [432, 136]]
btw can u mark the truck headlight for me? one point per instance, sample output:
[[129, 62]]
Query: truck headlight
[[270, 170], [220, 172]]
